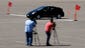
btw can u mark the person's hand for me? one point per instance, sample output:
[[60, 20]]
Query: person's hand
[[54, 24], [53, 28]]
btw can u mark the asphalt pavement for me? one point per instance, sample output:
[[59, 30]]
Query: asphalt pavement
[[70, 33]]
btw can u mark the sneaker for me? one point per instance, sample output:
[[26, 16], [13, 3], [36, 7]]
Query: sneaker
[[48, 45], [30, 45]]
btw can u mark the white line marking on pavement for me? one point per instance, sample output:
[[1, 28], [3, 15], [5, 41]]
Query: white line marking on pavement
[[64, 20], [20, 42], [17, 15]]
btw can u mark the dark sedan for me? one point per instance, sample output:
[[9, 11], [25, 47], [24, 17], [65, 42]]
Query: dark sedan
[[46, 12]]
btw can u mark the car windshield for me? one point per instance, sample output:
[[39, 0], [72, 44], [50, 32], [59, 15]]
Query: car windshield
[[40, 8]]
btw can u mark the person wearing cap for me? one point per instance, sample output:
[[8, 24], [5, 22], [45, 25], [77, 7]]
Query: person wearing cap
[[29, 25], [48, 27]]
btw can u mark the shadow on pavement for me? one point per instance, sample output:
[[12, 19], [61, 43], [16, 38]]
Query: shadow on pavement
[[48, 46]]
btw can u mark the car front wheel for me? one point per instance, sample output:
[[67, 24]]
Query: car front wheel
[[58, 17], [38, 17]]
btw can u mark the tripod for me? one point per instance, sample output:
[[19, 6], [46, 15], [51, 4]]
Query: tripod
[[55, 35], [36, 38]]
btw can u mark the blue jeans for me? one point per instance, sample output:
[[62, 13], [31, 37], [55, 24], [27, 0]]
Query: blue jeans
[[29, 38]]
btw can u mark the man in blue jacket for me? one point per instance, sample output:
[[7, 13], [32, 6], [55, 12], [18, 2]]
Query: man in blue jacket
[[29, 25]]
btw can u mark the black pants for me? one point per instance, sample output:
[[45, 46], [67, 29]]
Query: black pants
[[48, 37]]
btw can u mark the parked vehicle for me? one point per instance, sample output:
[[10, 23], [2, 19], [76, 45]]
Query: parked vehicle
[[46, 12]]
